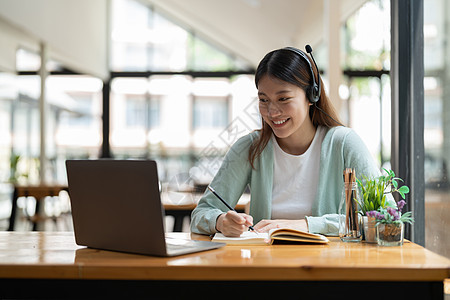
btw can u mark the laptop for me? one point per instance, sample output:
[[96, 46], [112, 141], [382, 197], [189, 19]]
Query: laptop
[[116, 206]]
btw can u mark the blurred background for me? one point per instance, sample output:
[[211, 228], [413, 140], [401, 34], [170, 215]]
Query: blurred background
[[173, 81]]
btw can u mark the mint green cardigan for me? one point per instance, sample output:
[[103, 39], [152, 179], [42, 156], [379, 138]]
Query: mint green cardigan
[[341, 148]]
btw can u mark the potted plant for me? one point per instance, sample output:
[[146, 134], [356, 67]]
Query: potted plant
[[390, 224], [374, 193]]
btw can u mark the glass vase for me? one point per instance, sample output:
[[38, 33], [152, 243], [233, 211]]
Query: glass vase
[[370, 232], [350, 221], [390, 234]]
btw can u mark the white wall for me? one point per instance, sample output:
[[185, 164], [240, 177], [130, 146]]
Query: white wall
[[11, 38]]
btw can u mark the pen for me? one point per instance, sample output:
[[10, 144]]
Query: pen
[[226, 204]]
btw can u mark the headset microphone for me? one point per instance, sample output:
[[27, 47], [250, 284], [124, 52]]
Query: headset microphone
[[316, 87]]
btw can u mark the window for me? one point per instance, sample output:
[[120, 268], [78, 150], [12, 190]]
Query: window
[[136, 112], [367, 37], [204, 57], [437, 126], [145, 40], [366, 92], [82, 117], [210, 112]]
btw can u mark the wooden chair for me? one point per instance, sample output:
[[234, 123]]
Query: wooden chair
[[39, 192]]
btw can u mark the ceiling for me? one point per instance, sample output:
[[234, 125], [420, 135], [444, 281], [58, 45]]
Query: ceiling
[[76, 32], [251, 28]]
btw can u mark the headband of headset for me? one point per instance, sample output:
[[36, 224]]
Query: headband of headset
[[314, 91]]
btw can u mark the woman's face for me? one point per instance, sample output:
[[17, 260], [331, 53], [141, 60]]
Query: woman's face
[[283, 106]]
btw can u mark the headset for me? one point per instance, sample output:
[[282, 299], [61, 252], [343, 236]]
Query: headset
[[313, 92]]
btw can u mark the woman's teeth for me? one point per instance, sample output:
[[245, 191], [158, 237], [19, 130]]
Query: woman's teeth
[[279, 122]]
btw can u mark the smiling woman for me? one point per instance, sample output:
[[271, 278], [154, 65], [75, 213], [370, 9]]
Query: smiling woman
[[284, 107], [293, 164], [294, 74]]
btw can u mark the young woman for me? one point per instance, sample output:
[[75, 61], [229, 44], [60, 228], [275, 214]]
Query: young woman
[[294, 164]]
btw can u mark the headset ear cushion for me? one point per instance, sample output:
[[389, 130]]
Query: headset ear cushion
[[313, 94]]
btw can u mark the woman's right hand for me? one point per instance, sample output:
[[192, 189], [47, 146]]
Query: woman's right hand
[[233, 224]]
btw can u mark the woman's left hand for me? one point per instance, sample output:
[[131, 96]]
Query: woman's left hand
[[266, 225]]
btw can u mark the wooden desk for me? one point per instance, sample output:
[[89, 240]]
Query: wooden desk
[[52, 264]]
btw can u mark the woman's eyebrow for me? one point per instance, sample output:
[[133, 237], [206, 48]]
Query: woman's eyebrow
[[283, 92], [277, 93]]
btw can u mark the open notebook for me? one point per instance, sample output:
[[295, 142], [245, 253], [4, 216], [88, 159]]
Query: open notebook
[[282, 235]]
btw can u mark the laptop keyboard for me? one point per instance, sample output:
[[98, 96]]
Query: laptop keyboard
[[176, 244]]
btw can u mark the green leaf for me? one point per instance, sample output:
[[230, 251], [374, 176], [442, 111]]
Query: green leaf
[[404, 189], [394, 183], [407, 214]]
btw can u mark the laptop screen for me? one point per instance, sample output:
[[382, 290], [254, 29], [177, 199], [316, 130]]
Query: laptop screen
[[116, 205]]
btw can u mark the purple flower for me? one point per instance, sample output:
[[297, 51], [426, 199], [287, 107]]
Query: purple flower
[[393, 213], [372, 213], [401, 204], [376, 214]]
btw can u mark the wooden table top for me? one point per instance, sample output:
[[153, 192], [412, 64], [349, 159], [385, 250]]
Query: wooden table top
[[55, 255]]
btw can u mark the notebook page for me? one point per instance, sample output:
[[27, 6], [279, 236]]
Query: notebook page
[[246, 237]]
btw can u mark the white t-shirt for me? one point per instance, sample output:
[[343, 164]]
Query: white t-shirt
[[295, 179]]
